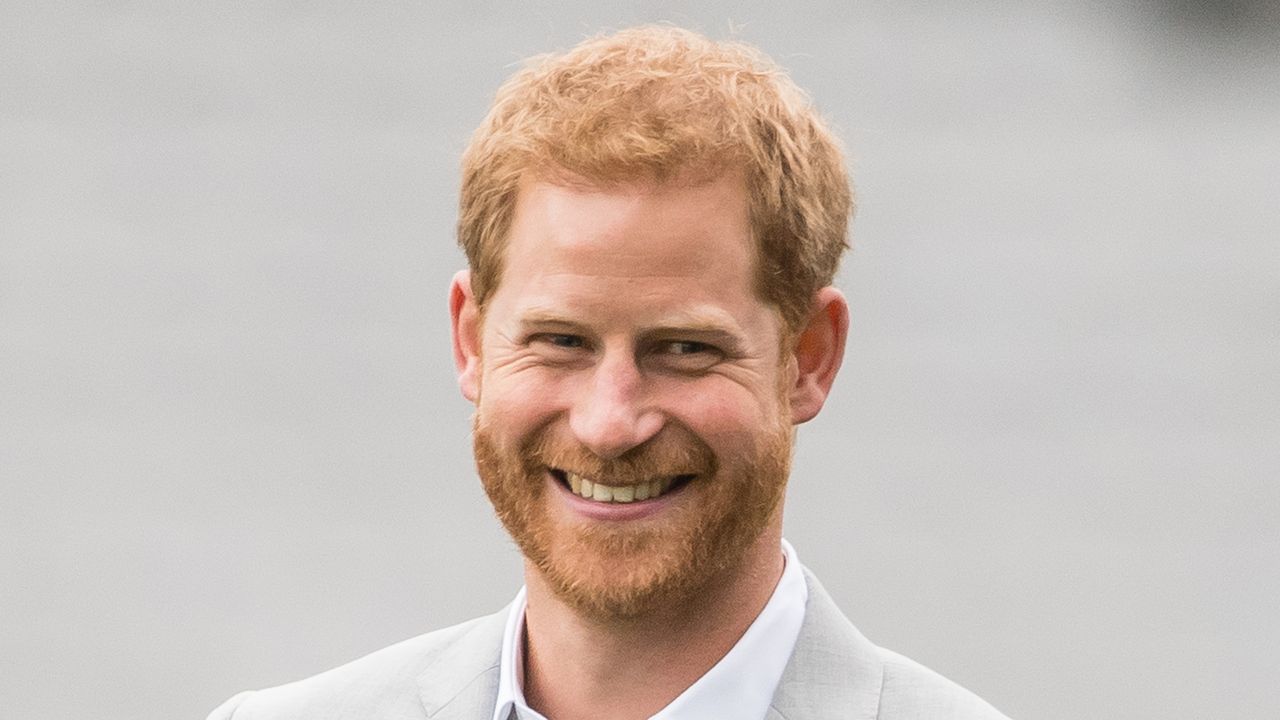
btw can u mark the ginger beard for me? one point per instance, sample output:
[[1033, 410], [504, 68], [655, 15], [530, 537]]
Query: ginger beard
[[626, 569]]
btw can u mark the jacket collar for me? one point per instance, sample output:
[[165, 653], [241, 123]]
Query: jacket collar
[[834, 671], [461, 681]]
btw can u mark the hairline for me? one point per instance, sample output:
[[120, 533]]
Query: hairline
[[692, 174]]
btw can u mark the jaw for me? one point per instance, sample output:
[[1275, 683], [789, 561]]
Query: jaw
[[613, 559], [610, 564]]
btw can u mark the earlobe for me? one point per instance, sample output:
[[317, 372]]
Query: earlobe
[[818, 352], [465, 319]]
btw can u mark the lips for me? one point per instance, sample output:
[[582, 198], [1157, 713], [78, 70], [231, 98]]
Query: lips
[[599, 492]]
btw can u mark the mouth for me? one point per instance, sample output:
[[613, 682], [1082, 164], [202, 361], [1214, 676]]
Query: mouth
[[589, 489]]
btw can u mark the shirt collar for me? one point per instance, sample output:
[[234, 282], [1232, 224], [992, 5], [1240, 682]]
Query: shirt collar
[[741, 685]]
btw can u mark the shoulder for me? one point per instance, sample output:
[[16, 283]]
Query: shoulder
[[392, 682], [835, 671], [911, 690]]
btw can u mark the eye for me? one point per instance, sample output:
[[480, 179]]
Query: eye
[[686, 355], [559, 347], [562, 340], [687, 347]]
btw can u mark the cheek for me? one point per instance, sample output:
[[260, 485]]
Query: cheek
[[727, 419], [515, 405]]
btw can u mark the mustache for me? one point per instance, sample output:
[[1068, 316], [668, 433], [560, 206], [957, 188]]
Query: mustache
[[669, 454]]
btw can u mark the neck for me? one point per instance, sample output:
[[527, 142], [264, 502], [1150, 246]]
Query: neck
[[582, 667]]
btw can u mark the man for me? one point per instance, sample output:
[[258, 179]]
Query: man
[[652, 223]]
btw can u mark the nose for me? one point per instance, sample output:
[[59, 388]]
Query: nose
[[612, 414]]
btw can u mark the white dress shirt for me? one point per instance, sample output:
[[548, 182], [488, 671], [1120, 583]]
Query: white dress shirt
[[741, 685]]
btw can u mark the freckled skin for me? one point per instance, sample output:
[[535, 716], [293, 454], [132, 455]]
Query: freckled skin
[[620, 262], [624, 341], [626, 326]]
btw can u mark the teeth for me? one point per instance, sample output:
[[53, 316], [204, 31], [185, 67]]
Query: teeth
[[620, 493]]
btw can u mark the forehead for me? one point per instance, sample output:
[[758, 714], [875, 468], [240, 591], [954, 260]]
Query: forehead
[[640, 230], [635, 259]]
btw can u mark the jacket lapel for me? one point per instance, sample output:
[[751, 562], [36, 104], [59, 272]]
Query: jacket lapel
[[461, 682], [834, 671]]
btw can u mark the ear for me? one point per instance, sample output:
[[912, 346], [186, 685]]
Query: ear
[[465, 317], [818, 352]]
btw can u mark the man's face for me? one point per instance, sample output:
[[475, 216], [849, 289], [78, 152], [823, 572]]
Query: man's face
[[632, 428]]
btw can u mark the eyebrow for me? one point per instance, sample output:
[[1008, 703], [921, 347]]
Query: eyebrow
[[543, 316], [702, 327]]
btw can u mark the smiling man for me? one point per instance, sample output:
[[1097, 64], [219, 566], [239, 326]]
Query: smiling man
[[652, 222]]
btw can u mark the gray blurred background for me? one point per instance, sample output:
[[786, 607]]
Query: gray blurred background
[[232, 451]]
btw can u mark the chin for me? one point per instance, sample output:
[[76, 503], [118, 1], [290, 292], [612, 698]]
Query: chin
[[618, 574], [614, 575], [622, 570]]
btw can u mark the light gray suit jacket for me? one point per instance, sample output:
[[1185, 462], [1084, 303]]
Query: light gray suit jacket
[[452, 674]]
